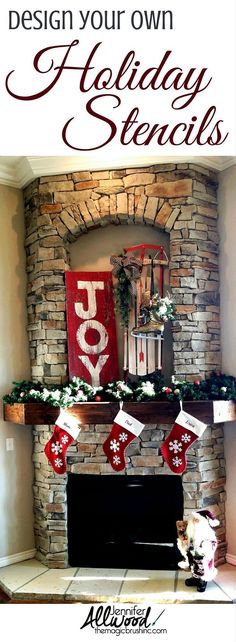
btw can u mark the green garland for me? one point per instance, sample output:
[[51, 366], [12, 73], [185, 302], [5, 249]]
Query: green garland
[[126, 270], [123, 298], [216, 387]]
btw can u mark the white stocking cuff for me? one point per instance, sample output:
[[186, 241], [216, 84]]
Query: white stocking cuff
[[68, 422], [130, 423], [190, 423]]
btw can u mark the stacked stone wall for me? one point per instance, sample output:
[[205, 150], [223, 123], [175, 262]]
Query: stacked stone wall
[[203, 480], [180, 199]]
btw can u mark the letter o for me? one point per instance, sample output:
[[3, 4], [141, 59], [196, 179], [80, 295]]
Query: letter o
[[92, 325], [94, 15], [140, 15]]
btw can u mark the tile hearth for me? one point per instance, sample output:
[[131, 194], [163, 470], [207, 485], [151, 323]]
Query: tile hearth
[[32, 581]]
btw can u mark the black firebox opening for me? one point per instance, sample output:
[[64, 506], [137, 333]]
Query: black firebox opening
[[121, 521]]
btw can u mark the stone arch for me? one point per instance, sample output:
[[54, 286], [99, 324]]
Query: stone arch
[[179, 199]]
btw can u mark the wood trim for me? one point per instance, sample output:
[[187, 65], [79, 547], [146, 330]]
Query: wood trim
[[160, 412], [16, 558]]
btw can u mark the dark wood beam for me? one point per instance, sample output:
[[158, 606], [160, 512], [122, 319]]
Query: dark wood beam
[[159, 412]]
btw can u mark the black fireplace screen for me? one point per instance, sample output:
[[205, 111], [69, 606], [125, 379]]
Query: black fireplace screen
[[117, 521]]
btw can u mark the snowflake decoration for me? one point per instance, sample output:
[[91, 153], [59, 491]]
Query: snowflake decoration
[[116, 460], [114, 445], [56, 448], [123, 437], [185, 438], [176, 461], [58, 463], [64, 439], [175, 445]]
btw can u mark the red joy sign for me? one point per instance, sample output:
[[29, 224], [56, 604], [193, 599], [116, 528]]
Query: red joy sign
[[92, 346]]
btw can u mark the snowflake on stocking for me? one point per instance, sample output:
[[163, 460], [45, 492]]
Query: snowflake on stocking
[[116, 460], [58, 463], [64, 439], [114, 445], [123, 437], [186, 438], [176, 461], [56, 448], [175, 445]]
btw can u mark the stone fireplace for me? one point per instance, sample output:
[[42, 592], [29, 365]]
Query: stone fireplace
[[180, 200]]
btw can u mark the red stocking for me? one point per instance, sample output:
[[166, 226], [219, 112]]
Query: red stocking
[[124, 430], [185, 431], [65, 431]]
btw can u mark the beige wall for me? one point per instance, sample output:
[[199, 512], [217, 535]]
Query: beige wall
[[16, 520], [227, 229]]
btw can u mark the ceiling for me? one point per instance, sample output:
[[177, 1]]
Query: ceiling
[[18, 171]]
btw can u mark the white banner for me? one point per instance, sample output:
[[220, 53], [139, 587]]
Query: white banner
[[168, 622], [130, 78]]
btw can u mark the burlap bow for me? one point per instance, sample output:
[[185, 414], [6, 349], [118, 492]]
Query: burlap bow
[[131, 265]]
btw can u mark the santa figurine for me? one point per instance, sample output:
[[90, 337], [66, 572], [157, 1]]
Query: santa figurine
[[202, 544]]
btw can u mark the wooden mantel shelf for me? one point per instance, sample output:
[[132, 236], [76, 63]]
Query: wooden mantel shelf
[[164, 412]]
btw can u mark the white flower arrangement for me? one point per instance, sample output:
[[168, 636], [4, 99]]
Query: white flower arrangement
[[123, 387], [80, 396], [146, 389], [55, 394], [117, 394], [45, 394], [162, 308], [34, 393], [119, 389]]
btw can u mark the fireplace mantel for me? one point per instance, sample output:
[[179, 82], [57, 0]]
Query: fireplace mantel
[[212, 412]]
